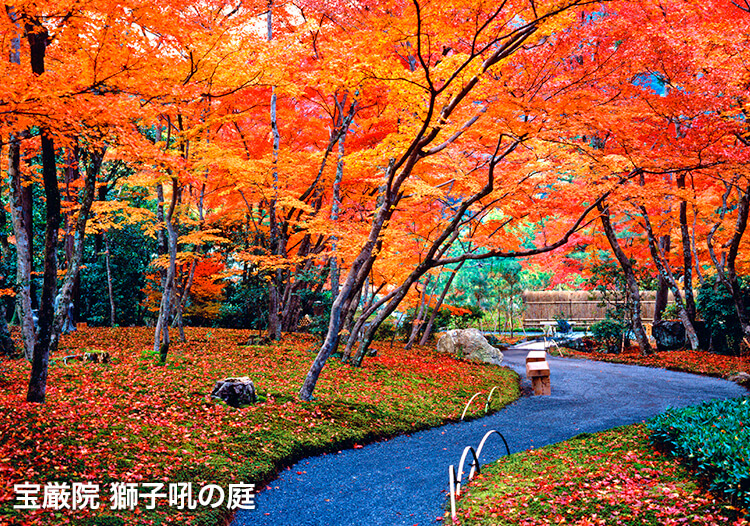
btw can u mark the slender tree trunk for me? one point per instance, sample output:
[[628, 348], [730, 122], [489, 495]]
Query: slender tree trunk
[[42, 349], [726, 268], [161, 336], [734, 246], [37, 36], [662, 287], [23, 255], [110, 294], [632, 290], [433, 315], [22, 219], [336, 204], [418, 322], [62, 310], [185, 293], [687, 256], [665, 271], [274, 298], [363, 260], [386, 311]]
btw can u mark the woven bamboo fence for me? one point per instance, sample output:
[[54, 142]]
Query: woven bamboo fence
[[581, 307]]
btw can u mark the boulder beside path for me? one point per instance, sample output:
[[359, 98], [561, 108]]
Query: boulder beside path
[[469, 344]]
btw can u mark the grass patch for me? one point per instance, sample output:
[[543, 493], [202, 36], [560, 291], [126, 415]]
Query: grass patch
[[610, 478], [134, 421]]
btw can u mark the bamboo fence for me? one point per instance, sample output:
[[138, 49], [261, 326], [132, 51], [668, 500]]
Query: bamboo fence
[[581, 307]]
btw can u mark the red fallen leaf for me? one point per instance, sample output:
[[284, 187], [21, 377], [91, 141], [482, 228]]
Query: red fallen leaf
[[357, 446]]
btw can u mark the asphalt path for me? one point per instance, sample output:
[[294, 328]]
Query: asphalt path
[[404, 481]]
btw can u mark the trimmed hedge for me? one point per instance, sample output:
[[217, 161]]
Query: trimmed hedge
[[714, 439]]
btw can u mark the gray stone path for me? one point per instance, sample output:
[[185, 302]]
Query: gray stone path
[[404, 481]]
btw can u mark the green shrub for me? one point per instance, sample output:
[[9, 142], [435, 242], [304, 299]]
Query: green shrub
[[717, 309], [466, 319], [608, 333], [386, 330], [671, 312], [563, 325], [714, 439]]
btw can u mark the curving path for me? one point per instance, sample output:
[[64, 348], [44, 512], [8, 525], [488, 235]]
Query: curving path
[[404, 480]]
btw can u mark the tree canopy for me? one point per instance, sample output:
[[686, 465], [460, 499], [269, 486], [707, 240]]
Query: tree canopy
[[297, 157]]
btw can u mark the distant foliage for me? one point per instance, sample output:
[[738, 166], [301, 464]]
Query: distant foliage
[[130, 255], [246, 304], [608, 278], [207, 292], [466, 320], [714, 439]]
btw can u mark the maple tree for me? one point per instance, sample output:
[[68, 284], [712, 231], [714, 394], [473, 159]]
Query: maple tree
[[397, 139], [93, 96], [445, 71], [660, 99]]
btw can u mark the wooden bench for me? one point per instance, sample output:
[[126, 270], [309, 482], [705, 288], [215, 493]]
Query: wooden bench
[[537, 370], [536, 356]]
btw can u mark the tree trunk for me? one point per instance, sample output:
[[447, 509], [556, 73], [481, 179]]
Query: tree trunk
[[665, 272], [386, 311], [418, 322], [336, 200], [349, 289], [23, 250], [62, 308], [22, 219], [433, 315], [42, 349], [632, 290], [274, 298], [687, 256], [110, 294], [728, 272], [161, 335], [662, 287]]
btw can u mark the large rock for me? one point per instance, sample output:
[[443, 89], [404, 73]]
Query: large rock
[[469, 344], [741, 378], [669, 335], [236, 392], [96, 357]]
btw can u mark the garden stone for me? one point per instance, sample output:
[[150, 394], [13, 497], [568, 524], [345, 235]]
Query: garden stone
[[741, 378], [96, 357], [235, 392], [258, 340], [578, 343], [669, 335], [469, 344]]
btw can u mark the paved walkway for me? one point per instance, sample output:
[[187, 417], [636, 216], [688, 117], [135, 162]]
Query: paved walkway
[[405, 480]]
